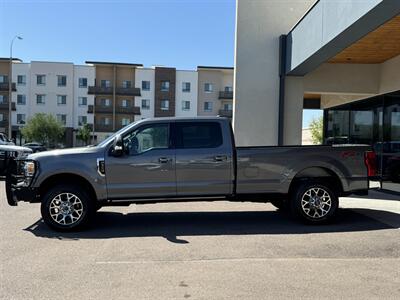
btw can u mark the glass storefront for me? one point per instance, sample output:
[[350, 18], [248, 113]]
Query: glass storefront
[[374, 121]]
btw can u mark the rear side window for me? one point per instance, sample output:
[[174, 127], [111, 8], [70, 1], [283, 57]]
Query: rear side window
[[198, 135]]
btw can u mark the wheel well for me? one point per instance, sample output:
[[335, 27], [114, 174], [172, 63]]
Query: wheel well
[[319, 174], [67, 178]]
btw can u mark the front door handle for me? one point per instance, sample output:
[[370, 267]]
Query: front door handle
[[163, 160], [220, 158]]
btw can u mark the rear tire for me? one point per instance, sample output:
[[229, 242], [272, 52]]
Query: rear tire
[[67, 207], [314, 203]]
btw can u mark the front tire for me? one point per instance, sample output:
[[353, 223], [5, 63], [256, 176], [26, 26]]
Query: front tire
[[67, 208], [314, 203]]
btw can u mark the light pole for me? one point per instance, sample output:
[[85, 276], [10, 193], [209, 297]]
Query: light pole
[[10, 87]]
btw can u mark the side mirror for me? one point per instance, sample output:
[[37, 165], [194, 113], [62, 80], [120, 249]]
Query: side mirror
[[118, 146]]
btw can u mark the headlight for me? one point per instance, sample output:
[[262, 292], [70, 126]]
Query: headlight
[[29, 168]]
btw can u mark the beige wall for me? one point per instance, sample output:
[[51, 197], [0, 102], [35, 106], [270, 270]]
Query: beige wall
[[104, 73], [259, 25], [125, 73], [213, 77], [390, 75]]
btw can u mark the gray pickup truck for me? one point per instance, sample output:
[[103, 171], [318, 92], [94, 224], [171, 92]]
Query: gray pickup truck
[[187, 159]]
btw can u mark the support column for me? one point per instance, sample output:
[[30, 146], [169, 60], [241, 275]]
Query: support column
[[293, 111]]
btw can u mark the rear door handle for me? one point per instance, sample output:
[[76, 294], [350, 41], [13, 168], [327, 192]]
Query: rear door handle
[[163, 160], [220, 158]]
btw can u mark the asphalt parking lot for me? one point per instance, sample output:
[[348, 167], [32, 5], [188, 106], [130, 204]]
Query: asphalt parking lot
[[203, 251]]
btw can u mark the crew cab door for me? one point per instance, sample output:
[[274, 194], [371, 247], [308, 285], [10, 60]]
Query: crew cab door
[[203, 159], [147, 167]]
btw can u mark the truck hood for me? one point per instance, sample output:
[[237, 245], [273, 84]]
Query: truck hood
[[15, 148], [63, 152]]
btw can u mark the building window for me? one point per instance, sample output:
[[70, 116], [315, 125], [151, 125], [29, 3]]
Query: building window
[[164, 104], [165, 86], [41, 79], [105, 83], [82, 82], [3, 79], [125, 103], [126, 84], [145, 85], [82, 101], [125, 121], [82, 120], [106, 121], [21, 79], [21, 99], [3, 99], [61, 80], [21, 119], [208, 106], [40, 99], [208, 87], [185, 105], [62, 119], [145, 104], [228, 106], [61, 99], [1, 117], [228, 89], [186, 87], [105, 102]]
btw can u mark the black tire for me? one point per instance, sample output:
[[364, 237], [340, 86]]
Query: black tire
[[281, 204], [56, 198], [315, 208]]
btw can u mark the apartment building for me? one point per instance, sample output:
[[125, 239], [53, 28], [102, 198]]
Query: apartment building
[[56, 88], [4, 93], [215, 92], [114, 94], [186, 93]]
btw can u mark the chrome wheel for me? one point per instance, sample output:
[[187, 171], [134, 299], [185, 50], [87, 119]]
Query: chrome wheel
[[316, 202], [66, 209]]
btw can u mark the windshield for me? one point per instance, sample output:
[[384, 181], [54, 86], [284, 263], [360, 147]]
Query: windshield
[[111, 137]]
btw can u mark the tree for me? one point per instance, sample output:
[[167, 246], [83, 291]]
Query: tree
[[316, 127], [43, 128], [84, 134]]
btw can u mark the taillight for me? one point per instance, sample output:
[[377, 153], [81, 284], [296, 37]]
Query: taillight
[[370, 162]]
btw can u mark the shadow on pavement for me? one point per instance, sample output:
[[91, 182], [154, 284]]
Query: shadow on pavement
[[171, 225]]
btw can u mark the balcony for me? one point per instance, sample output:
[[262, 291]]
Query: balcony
[[103, 128], [4, 87], [103, 109], [225, 95], [98, 90], [4, 106], [225, 113], [128, 110], [3, 123]]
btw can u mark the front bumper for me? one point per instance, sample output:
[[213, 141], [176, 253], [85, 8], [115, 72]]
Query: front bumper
[[18, 186]]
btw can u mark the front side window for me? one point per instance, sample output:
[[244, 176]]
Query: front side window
[[61, 99], [61, 80], [21, 99], [145, 85], [20, 118], [208, 87], [40, 79], [185, 105], [165, 86], [186, 87], [126, 84], [198, 135], [146, 138], [82, 120], [208, 106], [82, 82], [164, 104], [40, 99], [21, 79], [61, 118], [145, 104], [82, 101]]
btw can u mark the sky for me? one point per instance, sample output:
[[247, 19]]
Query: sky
[[179, 33]]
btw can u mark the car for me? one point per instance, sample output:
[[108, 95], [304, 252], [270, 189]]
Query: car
[[36, 147], [4, 140], [189, 159]]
